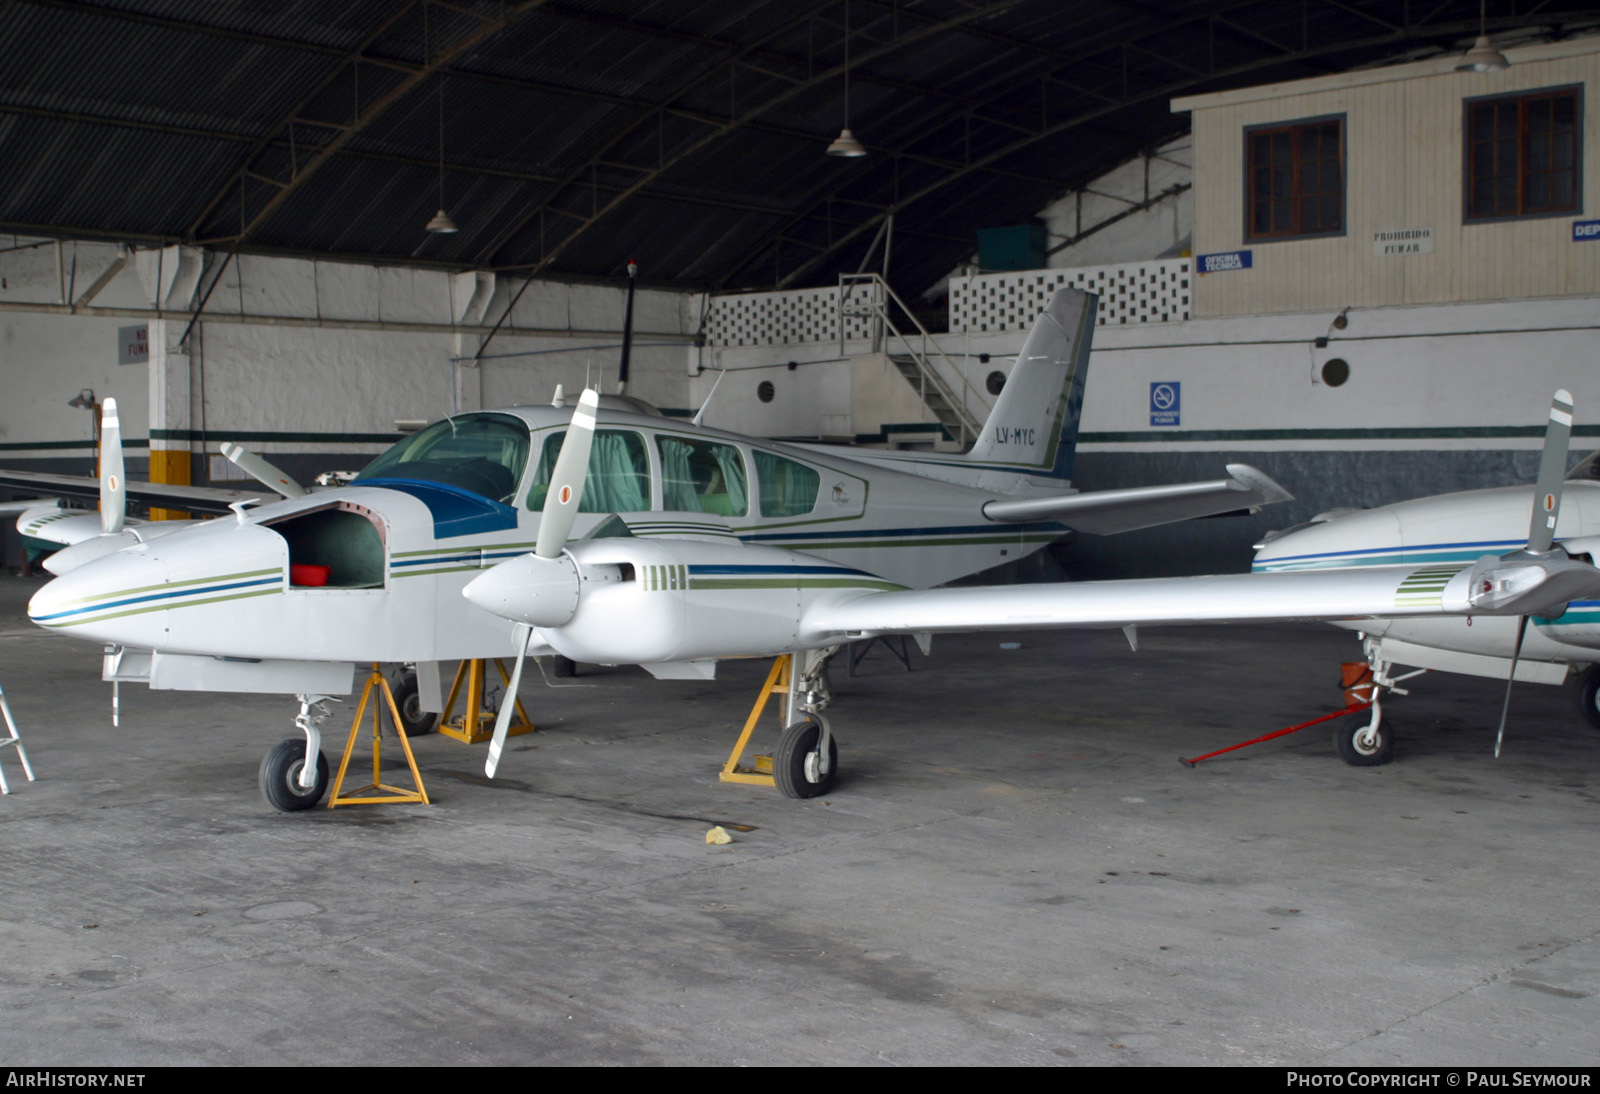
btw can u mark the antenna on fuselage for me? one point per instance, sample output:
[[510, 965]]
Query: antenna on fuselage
[[627, 329], [701, 413]]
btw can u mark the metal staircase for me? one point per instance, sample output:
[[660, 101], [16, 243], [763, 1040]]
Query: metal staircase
[[943, 387]]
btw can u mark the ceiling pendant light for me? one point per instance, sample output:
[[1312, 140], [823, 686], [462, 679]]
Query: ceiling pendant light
[[1483, 57], [845, 144], [441, 224]]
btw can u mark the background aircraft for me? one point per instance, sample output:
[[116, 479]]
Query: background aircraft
[[1448, 532], [285, 596]]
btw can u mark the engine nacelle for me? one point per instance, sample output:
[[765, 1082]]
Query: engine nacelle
[[651, 601]]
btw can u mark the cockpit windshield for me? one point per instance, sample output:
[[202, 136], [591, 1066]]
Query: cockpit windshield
[[483, 453]]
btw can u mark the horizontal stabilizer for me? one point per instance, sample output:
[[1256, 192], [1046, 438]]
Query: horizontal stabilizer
[[1103, 512]]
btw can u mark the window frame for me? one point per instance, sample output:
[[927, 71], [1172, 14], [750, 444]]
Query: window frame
[[1521, 98], [1294, 126]]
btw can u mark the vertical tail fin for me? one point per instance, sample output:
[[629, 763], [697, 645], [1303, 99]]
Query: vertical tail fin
[[1034, 425]]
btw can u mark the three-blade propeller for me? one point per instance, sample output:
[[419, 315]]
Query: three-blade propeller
[[544, 584], [1542, 525]]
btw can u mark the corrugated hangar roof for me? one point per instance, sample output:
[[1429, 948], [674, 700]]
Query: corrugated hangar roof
[[568, 137]]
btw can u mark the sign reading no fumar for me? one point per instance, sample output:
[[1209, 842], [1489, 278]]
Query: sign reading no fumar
[[1166, 397]]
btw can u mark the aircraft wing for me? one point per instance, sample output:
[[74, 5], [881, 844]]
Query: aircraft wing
[[14, 508], [194, 499], [1103, 512], [1490, 587]]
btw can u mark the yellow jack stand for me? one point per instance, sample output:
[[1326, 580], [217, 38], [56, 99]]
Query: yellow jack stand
[[392, 794], [760, 774], [477, 724]]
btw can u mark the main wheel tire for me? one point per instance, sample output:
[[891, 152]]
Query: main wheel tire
[[1586, 694], [563, 667], [796, 765], [412, 716], [280, 777], [1356, 753]]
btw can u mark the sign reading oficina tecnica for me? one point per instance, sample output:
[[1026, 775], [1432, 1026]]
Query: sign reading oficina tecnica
[[1585, 229], [1166, 397], [133, 344], [1402, 241], [1222, 260]]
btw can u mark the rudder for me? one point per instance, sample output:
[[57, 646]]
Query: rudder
[[1034, 425]]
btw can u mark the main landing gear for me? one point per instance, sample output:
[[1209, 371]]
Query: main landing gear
[[807, 757], [1586, 693], [1370, 743]]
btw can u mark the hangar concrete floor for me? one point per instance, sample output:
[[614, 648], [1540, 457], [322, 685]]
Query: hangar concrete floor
[[1013, 869]]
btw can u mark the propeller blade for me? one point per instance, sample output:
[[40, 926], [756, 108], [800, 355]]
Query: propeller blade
[[508, 706], [1552, 471], [1511, 678], [262, 471], [113, 480], [566, 481]]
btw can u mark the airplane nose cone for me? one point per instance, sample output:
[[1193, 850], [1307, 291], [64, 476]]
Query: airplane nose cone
[[541, 592], [119, 598]]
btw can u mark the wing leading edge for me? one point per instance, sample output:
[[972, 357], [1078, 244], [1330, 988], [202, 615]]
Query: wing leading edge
[[195, 499], [1490, 587]]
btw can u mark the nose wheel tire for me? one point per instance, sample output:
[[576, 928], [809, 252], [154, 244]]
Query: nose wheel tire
[[797, 765], [1357, 750], [280, 777]]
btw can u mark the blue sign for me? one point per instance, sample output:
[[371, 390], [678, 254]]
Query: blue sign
[[1585, 229], [1223, 260], [1165, 397]]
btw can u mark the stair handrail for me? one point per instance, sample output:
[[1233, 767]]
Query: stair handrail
[[877, 304]]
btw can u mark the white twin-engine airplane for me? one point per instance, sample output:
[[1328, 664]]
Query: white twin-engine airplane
[[670, 546], [1445, 533]]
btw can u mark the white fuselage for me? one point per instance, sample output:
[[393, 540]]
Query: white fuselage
[[1455, 529], [400, 554]]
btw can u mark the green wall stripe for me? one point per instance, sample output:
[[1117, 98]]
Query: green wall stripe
[[1378, 433]]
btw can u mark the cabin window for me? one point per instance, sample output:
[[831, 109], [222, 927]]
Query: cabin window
[[1294, 179], [618, 478], [788, 489], [702, 477], [482, 453], [1523, 154]]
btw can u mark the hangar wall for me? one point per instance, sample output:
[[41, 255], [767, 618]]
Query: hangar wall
[[311, 361]]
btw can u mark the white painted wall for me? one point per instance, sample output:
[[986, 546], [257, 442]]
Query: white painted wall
[[1163, 229], [295, 346]]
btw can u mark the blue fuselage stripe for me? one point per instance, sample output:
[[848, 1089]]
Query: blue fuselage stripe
[[171, 595]]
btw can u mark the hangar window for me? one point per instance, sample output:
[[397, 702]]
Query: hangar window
[[618, 478], [1294, 179], [788, 489], [1523, 153], [701, 477]]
